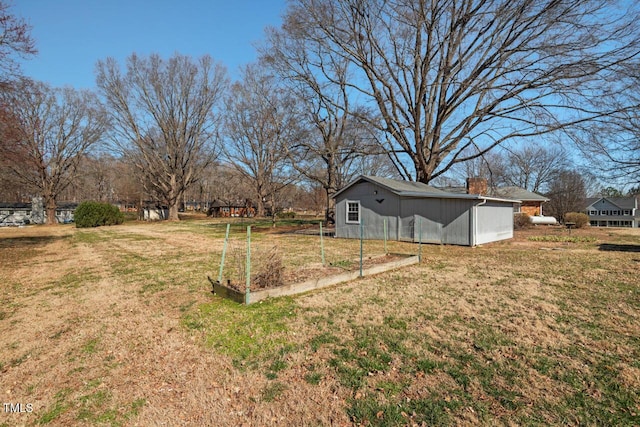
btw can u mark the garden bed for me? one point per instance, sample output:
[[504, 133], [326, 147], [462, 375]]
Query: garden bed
[[306, 279]]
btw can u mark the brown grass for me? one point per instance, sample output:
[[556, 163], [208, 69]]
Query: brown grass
[[116, 326]]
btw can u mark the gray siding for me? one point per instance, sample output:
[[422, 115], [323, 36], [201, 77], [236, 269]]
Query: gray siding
[[454, 221], [604, 205], [608, 214], [457, 221], [421, 217], [436, 220], [494, 222], [376, 204]]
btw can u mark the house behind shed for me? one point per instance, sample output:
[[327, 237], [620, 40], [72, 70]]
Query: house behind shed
[[17, 214], [412, 211]]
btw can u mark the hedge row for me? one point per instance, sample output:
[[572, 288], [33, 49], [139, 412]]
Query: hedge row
[[95, 214]]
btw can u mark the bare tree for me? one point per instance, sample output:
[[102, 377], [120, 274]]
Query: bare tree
[[11, 187], [613, 143], [489, 166], [54, 130], [337, 144], [163, 117], [567, 193], [452, 74], [261, 119], [533, 167], [15, 41]]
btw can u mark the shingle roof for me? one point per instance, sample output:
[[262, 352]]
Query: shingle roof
[[417, 189], [398, 186], [621, 202], [518, 193], [4, 205], [513, 192]]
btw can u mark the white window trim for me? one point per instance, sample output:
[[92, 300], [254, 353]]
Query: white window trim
[[348, 202]]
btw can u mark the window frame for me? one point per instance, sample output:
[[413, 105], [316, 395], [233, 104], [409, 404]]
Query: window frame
[[348, 204]]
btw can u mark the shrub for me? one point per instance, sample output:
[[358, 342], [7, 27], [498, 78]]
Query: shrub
[[521, 220], [579, 219], [95, 214], [287, 215]]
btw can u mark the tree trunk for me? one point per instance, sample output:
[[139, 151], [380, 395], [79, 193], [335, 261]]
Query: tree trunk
[[173, 211], [174, 199], [330, 189], [330, 213], [260, 207], [50, 204]]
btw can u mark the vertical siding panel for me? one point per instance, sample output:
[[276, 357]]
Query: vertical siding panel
[[495, 222]]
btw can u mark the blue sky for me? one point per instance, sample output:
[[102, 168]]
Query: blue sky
[[72, 35]]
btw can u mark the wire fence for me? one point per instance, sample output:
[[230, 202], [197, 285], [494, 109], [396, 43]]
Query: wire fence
[[253, 258]]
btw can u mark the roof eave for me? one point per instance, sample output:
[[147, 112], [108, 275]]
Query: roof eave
[[445, 195]]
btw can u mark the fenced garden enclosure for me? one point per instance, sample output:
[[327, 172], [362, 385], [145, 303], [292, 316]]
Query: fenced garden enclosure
[[257, 261]]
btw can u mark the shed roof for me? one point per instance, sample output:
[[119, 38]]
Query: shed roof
[[417, 189], [399, 186], [512, 192]]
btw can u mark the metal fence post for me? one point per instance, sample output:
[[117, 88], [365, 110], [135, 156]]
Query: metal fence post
[[419, 239], [247, 292], [322, 244], [361, 238], [224, 252], [385, 236]]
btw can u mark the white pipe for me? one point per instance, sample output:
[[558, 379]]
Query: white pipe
[[475, 221]]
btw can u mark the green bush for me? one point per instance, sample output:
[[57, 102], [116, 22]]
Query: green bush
[[579, 219], [521, 220], [95, 214]]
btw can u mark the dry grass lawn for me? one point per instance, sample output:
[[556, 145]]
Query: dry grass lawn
[[116, 326]]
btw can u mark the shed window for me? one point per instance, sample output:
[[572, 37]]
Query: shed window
[[353, 212]]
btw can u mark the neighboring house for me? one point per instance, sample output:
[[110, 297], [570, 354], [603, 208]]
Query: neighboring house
[[16, 214], [220, 209], [65, 212], [613, 211], [153, 211], [412, 211], [529, 202]]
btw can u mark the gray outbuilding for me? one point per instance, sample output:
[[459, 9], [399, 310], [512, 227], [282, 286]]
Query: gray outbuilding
[[413, 211]]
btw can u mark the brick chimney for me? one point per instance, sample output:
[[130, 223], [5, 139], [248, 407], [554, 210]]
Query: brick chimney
[[477, 186]]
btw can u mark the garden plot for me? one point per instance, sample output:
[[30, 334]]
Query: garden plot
[[255, 271]]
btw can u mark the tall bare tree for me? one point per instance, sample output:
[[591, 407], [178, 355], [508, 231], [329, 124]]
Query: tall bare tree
[[15, 42], [163, 113], [53, 130], [337, 142], [613, 143], [533, 167], [261, 119], [452, 74]]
